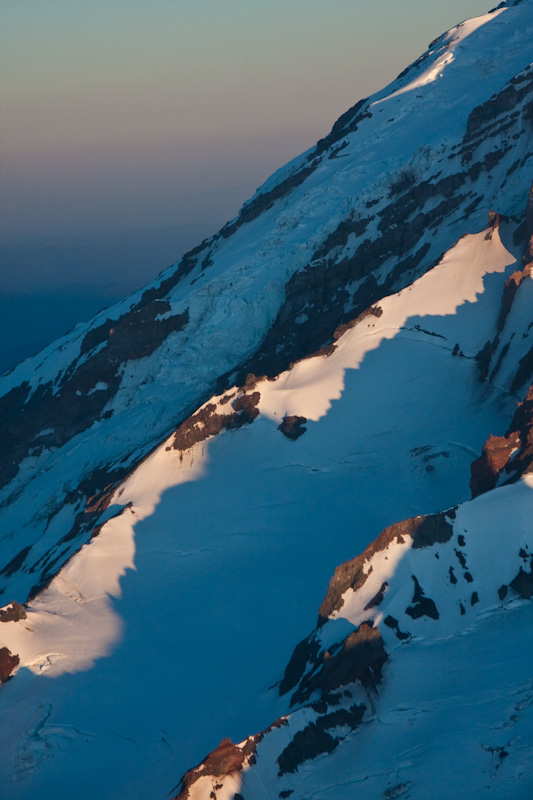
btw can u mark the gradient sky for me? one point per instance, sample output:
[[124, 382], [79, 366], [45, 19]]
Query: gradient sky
[[128, 113]]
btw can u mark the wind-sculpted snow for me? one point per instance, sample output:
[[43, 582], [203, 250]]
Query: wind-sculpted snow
[[356, 218]]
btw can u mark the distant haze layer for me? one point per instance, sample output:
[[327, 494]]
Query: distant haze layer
[[134, 114], [129, 131]]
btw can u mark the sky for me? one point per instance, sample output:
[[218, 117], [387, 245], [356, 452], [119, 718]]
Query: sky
[[129, 130], [124, 113]]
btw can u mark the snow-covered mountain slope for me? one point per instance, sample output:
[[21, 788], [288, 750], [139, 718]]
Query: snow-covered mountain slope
[[408, 681], [184, 474], [374, 205], [431, 697], [162, 632]]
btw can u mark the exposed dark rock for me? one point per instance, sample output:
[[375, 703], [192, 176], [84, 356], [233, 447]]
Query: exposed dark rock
[[12, 612], [253, 209], [523, 584], [207, 422], [484, 357], [225, 760], [247, 404], [511, 289], [487, 468], [307, 744], [8, 663], [314, 739], [402, 635], [93, 497], [73, 406], [334, 289], [422, 606], [183, 268], [424, 531], [378, 598], [524, 373], [292, 427], [346, 123], [502, 591], [392, 623], [511, 96], [16, 562], [360, 657], [403, 180], [434, 529], [375, 311], [10, 406], [353, 225], [304, 653], [506, 457], [336, 150]]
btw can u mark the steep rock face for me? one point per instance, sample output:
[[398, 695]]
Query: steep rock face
[[516, 298], [77, 398], [8, 663], [359, 216], [506, 458]]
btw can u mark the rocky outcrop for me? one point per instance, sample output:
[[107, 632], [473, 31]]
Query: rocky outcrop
[[8, 664], [489, 367], [318, 737], [506, 458], [359, 657], [55, 412], [225, 760], [423, 531], [502, 106], [208, 422], [293, 427], [361, 654], [12, 612]]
